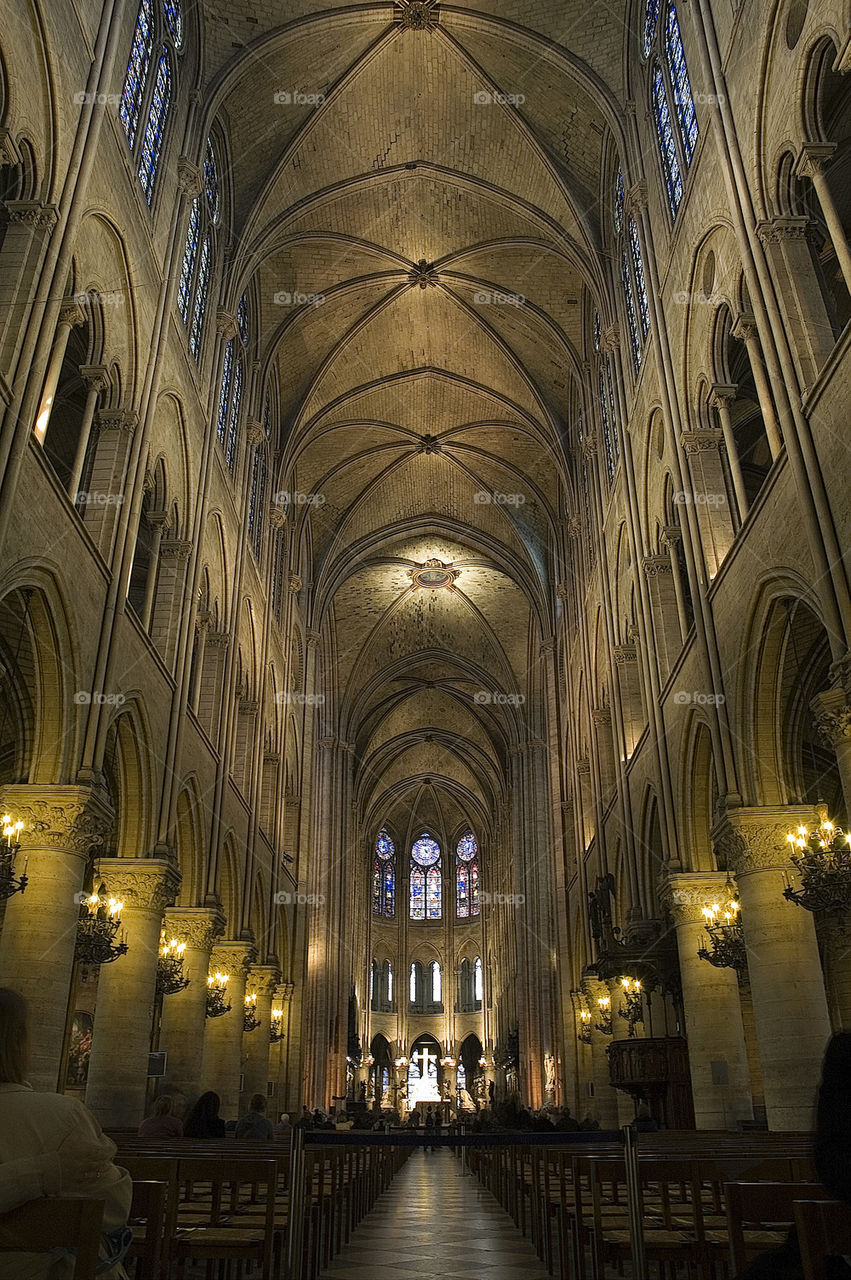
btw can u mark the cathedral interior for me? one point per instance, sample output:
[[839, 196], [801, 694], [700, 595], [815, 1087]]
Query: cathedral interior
[[425, 611]]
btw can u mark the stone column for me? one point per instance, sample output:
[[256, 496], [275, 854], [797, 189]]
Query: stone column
[[184, 1018], [172, 558], [665, 615], [282, 999], [720, 1081], [71, 315], [719, 399], [96, 378], [804, 312], [709, 493], [28, 231], [222, 1060], [115, 430], [789, 1002], [262, 982], [124, 1011], [629, 690], [62, 827], [745, 329], [605, 1106], [671, 538], [811, 164], [832, 712], [157, 522]]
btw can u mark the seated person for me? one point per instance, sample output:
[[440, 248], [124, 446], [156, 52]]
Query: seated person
[[255, 1126], [204, 1120], [283, 1129], [162, 1124], [39, 1131]]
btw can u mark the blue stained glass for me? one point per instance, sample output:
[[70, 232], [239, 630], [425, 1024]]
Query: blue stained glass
[[233, 433], [474, 889], [433, 893], [425, 851], [211, 181], [137, 71], [190, 253], [607, 429], [651, 19], [258, 493], [417, 893], [376, 889], [173, 13], [384, 846], [389, 887], [586, 499], [224, 394], [667, 145], [267, 415], [638, 273], [242, 319], [467, 847], [610, 383], [462, 892], [681, 84], [632, 322], [201, 289], [619, 200], [149, 152]]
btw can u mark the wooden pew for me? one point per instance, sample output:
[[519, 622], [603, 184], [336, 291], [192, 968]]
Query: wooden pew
[[57, 1223]]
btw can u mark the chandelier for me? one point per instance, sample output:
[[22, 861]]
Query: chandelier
[[100, 920], [583, 1035], [170, 977], [633, 1011], [726, 934], [275, 1030], [9, 848], [822, 859], [217, 991], [605, 1025], [250, 1021]]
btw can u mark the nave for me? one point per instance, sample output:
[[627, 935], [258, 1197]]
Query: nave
[[436, 1220]]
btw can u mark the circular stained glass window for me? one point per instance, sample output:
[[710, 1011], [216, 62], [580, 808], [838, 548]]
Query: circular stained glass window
[[467, 848], [426, 851], [384, 846]]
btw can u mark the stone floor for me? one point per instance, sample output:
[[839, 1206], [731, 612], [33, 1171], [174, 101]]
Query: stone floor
[[434, 1222]]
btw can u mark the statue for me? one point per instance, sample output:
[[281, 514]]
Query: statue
[[600, 908], [550, 1068]]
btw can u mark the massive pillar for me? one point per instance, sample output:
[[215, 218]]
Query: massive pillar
[[605, 1107], [62, 827], [789, 1002], [184, 1014], [262, 982], [720, 1081], [126, 989], [222, 1060]]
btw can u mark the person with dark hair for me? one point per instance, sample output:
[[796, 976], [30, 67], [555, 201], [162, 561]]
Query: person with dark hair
[[255, 1125], [52, 1143], [204, 1120], [162, 1124]]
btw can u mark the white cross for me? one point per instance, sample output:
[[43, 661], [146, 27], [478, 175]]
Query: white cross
[[424, 1058]]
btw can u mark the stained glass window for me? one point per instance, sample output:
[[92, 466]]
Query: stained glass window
[[478, 980], [236, 401], [190, 254], [389, 891], [137, 71], [425, 850], [201, 288], [149, 152], [607, 428], [242, 319], [651, 19], [619, 200], [610, 384], [417, 893], [436, 983], [280, 562], [256, 499], [389, 983], [412, 984], [474, 889], [467, 847], [384, 846], [638, 274], [667, 145], [211, 180], [376, 888], [683, 99], [597, 331], [173, 13], [462, 892], [267, 414], [433, 893], [224, 394], [632, 322]]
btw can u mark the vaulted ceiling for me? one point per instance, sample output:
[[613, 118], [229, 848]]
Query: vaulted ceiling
[[416, 194]]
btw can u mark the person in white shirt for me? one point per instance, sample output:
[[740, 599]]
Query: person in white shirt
[[57, 1145]]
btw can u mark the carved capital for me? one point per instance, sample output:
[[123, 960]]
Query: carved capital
[[226, 325], [574, 527], [142, 884], [702, 440], [218, 639], [636, 199], [263, 979], [10, 152], [74, 820], [284, 992], [198, 927], [776, 230], [654, 565], [610, 338], [626, 655], [33, 214], [601, 716], [295, 583], [175, 549], [314, 639], [745, 328], [671, 536], [277, 516], [832, 712], [233, 957], [686, 894], [248, 706], [95, 376], [189, 178], [117, 420], [840, 674], [71, 313], [748, 840], [583, 768], [721, 393], [589, 445], [813, 157], [254, 433]]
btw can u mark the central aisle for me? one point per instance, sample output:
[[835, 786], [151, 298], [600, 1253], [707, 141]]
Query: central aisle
[[435, 1223]]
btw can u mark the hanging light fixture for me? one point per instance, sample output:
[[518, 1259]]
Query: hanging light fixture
[[605, 1025], [583, 1035], [250, 1021], [276, 1027], [10, 847], [822, 859], [633, 1010], [726, 935], [97, 929], [170, 976], [217, 990]]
